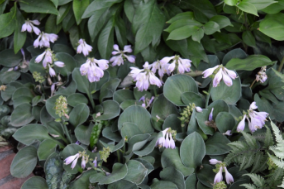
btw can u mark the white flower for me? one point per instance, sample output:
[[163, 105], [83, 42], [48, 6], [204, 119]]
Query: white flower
[[198, 109], [211, 115], [181, 65], [223, 72], [166, 140], [241, 125], [83, 162], [228, 176], [59, 64], [256, 119], [119, 57], [29, 26], [84, 47], [44, 40], [94, 69], [214, 161], [144, 77], [95, 162], [261, 75], [51, 71], [72, 159], [162, 68], [228, 133], [218, 176], [46, 56]]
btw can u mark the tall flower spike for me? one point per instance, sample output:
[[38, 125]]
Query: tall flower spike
[[29, 26], [222, 72], [241, 125], [181, 65], [228, 176], [94, 69], [218, 176], [144, 77], [72, 159], [44, 40], [120, 56], [84, 47]]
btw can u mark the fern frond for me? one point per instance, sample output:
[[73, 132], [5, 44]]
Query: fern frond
[[277, 133], [256, 179], [251, 141], [278, 151], [275, 177], [248, 186], [268, 138], [277, 161], [260, 163]]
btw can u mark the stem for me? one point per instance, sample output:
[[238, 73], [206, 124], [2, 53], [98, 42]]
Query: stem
[[281, 65], [92, 101], [66, 132], [252, 83], [155, 91], [118, 155], [194, 73], [208, 96]]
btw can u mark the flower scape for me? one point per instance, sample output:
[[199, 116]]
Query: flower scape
[[143, 94]]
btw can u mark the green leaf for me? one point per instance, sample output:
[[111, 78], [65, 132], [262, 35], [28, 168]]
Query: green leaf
[[83, 133], [98, 5], [235, 53], [106, 39], [188, 153], [211, 27], [190, 182], [248, 38], [109, 88], [35, 183], [119, 171], [71, 150], [148, 23], [60, 48], [261, 4], [7, 22], [69, 63], [62, 13], [202, 119], [231, 2], [7, 77], [196, 52], [111, 110], [122, 95], [250, 63], [50, 26], [217, 144], [120, 31], [206, 175], [76, 98], [183, 32], [10, 59], [137, 115], [229, 94], [192, 97], [22, 115], [248, 7], [163, 108], [82, 181], [29, 133], [50, 106], [46, 148], [24, 162], [22, 95], [225, 121], [176, 85], [274, 8], [173, 175], [221, 20], [128, 130], [19, 37], [34, 6], [79, 114], [136, 172], [157, 184], [79, 8], [122, 184], [272, 26]]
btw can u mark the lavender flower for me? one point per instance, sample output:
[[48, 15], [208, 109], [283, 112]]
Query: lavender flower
[[218, 176], [120, 56], [182, 65], [84, 47], [241, 125], [46, 56], [95, 162], [214, 161], [223, 72], [257, 119], [72, 159], [198, 109], [228, 176], [94, 69], [211, 115], [166, 140], [161, 67], [51, 71], [29, 26], [144, 77], [44, 40]]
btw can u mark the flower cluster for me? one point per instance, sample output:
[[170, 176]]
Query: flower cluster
[[73, 159], [120, 56], [61, 106], [84, 47], [220, 72], [220, 167], [94, 69], [29, 26], [144, 77], [176, 63], [255, 119], [166, 140], [44, 39], [261, 75], [146, 102]]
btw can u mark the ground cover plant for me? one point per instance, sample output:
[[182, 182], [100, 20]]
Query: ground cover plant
[[178, 94]]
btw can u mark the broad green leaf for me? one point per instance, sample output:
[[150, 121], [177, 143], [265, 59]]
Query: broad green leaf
[[176, 85], [50, 106], [22, 95], [189, 154], [128, 130], [62, 13], [79, 7], [8, 23], [50, 26], [111, 110], [120, 31], [192, 97], [248, 38], [273, 26], [261, 4], [122, 184], [196, 52], [182, 16], [217, 144], [9, 76], [250, 63], [183, 32], [122, 95], [60, 48], [235, 53], [24, 162], [69, 63], [76, 98], [202, 118], [136, 172], [157, 184], [137, 115], [62, 2], [22, 115], [190, 182], [98, 5], [211, 27], [119, 171], [82, 181], [35, 183], [106, 39], [29, 133], [109, 88], [36, 67], [19, 37], [274, 8], [83, 133], [229, 94], [42, 6], [173, 175], [221, 20], [224, 122], [247, 7], [206, 175], [10, 59], [46, 148], [79, 114], [163, 108], [148, 23], [45, 117]]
